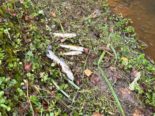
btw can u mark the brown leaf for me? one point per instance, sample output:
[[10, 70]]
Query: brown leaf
[[137, 112], [53, 14], [133, 73], [88, 72], [95, 79], [114, 74], [86, 50], [104, 47], [27, 67], [125, 91], [97, 114], [127, 95]]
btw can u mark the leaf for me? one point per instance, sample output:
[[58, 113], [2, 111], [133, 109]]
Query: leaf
[[27, 67], [53, 14], [125, 61], [41, 12], [137, 112], [88, 72], [97, 114], [35, 100]]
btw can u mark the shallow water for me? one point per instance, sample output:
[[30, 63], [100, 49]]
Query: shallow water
[[142, 13]]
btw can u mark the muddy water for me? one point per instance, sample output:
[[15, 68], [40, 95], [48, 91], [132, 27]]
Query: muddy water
[[142, 13]]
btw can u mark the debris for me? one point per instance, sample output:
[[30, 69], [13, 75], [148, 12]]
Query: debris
[[137, 112], [53, 14], [64, 66], [72, 53], [97, 114], [95, 79], [88, 72], [86, 50], [27, 67], [125, 92], [134, 84], [96, 13], [105, 48], [125, 61], [65, 35], [71, 47], [126, 95]]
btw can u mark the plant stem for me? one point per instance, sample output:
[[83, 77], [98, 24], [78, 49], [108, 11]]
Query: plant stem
[[31, 107], [110, 85]]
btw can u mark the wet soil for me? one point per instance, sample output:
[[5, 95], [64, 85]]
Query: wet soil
[[142, 13]]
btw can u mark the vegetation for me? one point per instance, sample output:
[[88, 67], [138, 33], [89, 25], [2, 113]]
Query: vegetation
[[31, 84]]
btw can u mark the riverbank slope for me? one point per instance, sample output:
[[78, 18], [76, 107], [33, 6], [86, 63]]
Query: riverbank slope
[[32, 84]]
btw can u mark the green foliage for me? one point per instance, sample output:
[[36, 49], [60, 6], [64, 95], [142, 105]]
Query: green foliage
[[3, 101]]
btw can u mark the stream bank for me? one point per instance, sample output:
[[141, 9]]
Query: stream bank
[[142, 14], [27, 75]]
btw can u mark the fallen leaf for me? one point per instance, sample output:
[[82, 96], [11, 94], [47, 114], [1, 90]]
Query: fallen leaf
[[126, 94], [104, 47], [86, 50], [137, 112], [95, 79], [27, 67], [125, 60], [97, 114], [88, 72], [125, 91], [53, 14]]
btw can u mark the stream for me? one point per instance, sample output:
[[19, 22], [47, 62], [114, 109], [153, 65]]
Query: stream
[[142, 13]]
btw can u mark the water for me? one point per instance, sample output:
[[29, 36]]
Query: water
[[142, 13]]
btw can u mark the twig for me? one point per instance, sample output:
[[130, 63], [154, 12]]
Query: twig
[[31, 107], [114, 51]]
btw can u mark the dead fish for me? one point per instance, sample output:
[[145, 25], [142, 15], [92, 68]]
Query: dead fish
[[72, 53], [72, 47], [65, 35], [64, 66]]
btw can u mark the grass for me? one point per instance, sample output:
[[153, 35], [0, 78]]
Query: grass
[[110, 85], [31, 84]]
